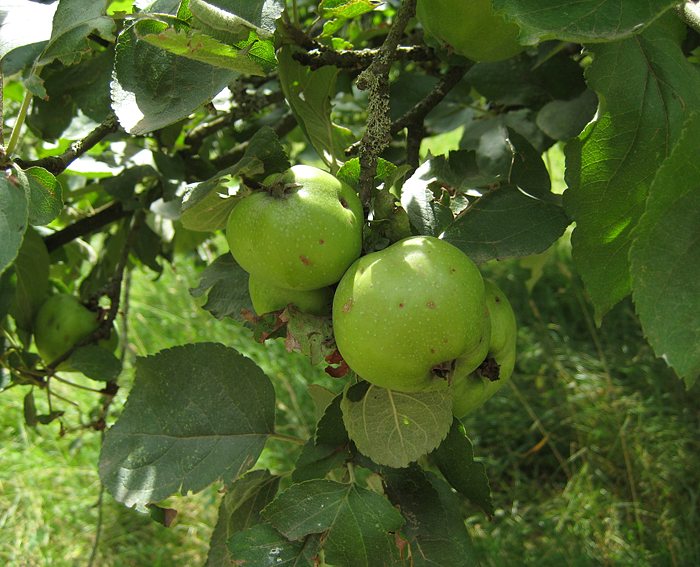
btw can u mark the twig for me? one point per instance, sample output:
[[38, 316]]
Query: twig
[[58, 164], [416, 115], [375, 79], [286, 124], [102, 217], [248, 104], [359, 59]]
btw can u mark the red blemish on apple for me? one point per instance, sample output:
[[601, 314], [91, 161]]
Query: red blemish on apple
[[305, 260]]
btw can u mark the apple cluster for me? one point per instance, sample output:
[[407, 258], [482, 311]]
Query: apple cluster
[[414, 316]]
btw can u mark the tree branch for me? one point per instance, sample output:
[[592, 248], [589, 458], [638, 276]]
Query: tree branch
[[359, 59], [102, 217], [58, 164], [286, 124], [375, 79], [416, 115]]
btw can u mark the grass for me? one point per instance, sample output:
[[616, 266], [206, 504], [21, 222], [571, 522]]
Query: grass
[[592, 453]]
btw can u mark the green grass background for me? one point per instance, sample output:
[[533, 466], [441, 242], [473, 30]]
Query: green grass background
[[593, 452]]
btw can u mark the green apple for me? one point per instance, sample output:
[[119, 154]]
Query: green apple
[[401, 312], [471, 28], [473, 387], [61, 322], [267, 297], [301, 233]]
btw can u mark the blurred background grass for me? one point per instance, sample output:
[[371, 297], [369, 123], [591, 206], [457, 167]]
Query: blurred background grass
[[593, 452]]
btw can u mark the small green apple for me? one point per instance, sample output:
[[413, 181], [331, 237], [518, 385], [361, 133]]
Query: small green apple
[[401, 312], [472, 388], [301, 233], [61, 322], [471, 28], [267, 297]]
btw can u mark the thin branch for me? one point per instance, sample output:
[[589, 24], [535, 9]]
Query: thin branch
[[286, 124], [375, 79], [101, 218], [361, 58], [247, 105], [416, 115], [58, 164]]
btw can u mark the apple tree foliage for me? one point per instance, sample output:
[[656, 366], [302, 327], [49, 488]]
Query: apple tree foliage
[[133, 127]]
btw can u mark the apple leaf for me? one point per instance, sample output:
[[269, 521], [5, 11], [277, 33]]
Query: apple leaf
[[309, 95], [427, 215], [14, 211], [73, 22], [254, 57], [227, 286], [240, 509], [328, 449], [14, 33], [455, 459], [96, 362], [395, 428], [356, 522], [196, 413], [45, 196], [206, 208], [646, 86], [263, 545], [31, 279], [582, 21], [153, 88], [665, 258], [565, 119], [506, 223], [226, 15], [434, 524]]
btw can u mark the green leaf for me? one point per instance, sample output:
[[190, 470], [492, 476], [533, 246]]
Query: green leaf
[[263, 546], [196, 413], [455, 459], [31, 279], [665, 258], [356, 522], [434, 531], [395, 428], [45, 196], [327, 450], [84, 85], [96, 362], [506, 223], [646, 86], [207, 205], [29, 406], [240, 509], [426, 215], [309, 94], [227, 286], [253, 57], [528, 81], [153, 88], [346, 9], [228, 15], [582, 21], [14, 31], [565, 119], [13, 214], [73, 22]]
